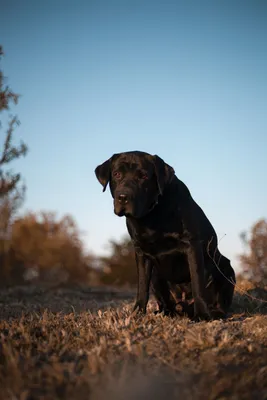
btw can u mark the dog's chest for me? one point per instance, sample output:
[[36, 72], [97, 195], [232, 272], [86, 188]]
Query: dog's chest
[[157, 243]]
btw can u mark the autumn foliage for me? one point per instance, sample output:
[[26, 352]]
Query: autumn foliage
[[120, 268], [254, 260], [44, 248]]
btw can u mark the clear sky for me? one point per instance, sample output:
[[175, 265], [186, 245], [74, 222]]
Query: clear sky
[[186, 80]]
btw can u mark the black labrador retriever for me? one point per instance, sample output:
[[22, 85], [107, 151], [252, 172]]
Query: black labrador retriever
[[175, 244]]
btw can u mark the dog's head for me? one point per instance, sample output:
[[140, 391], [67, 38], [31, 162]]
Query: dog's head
[[136, 180]]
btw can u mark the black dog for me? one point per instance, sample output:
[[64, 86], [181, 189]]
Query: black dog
[[175, 244]]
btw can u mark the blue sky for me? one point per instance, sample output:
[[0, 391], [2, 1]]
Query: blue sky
[[185, 80]]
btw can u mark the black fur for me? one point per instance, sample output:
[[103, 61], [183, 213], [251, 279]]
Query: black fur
[[175, 243]]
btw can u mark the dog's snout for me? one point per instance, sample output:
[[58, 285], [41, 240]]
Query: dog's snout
[[123, 198]]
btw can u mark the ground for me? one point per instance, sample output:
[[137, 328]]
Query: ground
[[82, 343]]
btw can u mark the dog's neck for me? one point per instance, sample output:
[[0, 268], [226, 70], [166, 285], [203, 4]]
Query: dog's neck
[[163, 205]]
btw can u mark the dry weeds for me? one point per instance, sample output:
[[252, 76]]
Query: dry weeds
[[84, 344]]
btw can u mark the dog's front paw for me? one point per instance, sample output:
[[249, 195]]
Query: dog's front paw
[[139, 308], [218, 313], [201, 311], [166, 312]]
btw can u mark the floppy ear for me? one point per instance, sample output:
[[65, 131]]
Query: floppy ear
[[164, 172], [103, 172]]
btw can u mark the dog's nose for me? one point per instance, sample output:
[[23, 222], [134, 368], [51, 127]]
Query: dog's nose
[[123, 198]]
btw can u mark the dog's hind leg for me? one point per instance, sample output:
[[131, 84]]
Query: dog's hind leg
[[227, 284], [223, 286]]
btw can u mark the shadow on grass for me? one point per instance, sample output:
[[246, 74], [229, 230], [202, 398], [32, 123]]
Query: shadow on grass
[[25, 300]]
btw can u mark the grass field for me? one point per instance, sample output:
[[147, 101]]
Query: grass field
[[78, 343]]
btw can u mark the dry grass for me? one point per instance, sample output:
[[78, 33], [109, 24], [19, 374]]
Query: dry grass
[[84, 344]]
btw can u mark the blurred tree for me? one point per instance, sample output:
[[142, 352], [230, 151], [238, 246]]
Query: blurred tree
[[254, 261], [9, 204], [9, 152], [11, 192], [120, 268], [50, 247]]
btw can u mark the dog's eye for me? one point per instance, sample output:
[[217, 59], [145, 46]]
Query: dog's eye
[[117, 175]]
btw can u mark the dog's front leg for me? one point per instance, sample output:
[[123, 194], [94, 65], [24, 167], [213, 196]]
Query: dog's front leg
[[144, 270], [196, 265]]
